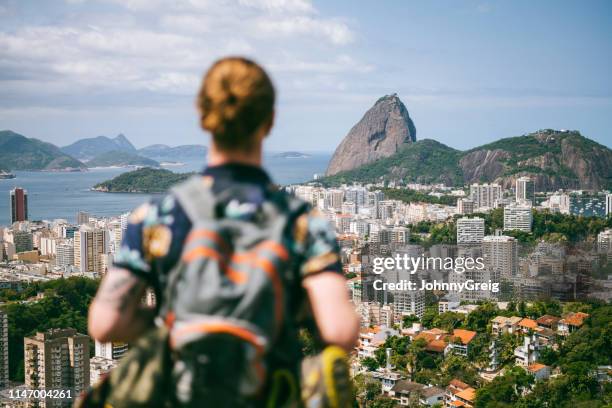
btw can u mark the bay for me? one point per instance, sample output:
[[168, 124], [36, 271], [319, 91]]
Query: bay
[[61, 195]]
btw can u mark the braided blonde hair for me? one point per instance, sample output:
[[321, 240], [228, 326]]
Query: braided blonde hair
[[235, 100]]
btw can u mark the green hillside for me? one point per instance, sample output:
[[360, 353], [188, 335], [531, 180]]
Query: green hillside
[[425, 161], [145, 180], [18, 152], [553, 159]]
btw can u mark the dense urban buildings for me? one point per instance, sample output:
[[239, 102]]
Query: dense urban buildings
[[370, 224]]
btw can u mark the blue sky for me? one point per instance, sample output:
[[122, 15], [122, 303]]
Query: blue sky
[[469, 72]]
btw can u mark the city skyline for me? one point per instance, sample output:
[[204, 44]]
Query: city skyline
[[489, 69]]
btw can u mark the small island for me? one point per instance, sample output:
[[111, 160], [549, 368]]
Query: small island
[[145, 180], [291, 155]]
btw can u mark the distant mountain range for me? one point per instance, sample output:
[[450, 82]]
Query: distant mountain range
[[18, 152], [87, 149]]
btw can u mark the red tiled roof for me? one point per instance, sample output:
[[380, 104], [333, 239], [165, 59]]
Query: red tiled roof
[[528, 323], [437, 346], [469, 394], [547, 320], [575, 319], [458, 384], [466, 336], [535, 367]]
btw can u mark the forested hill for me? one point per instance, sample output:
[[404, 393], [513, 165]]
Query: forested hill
[[145, 180], [18, 152], [554, 159]]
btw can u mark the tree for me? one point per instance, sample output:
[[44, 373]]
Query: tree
[[429, 315], [407, 320], [480, 318], [448, 321], [366, 389], [504, 390], [64, 305], [371, 364], [382, 402]]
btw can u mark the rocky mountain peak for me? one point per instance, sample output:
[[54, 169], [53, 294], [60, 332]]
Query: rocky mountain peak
[[381, 132]]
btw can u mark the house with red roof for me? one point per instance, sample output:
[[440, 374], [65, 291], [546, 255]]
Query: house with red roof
[[571, 322]]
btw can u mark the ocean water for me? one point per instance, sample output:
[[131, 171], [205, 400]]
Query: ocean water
[[62, 195]]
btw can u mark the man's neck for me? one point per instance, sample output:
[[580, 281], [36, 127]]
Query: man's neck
[[217, 157]]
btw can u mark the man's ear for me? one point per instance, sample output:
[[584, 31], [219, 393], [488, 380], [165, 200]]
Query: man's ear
[[269, 123]]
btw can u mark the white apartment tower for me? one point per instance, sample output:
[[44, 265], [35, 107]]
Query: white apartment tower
[[608, 204], [465, 206], [90, 244], [470, 230], [525, 190], [64, 253], [485, 195], [500, 253], [518, 217]]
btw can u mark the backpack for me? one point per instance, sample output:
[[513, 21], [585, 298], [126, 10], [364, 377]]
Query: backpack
[[227, 300]]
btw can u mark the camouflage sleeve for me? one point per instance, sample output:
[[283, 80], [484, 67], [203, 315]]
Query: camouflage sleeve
[[317, 237], [147, 238]]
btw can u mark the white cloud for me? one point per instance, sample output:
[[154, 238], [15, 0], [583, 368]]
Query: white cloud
[[162, 47], [337, 32], [286, 6]]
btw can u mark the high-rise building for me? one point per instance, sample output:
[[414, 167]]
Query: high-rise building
[[465, 206], [4, 352], [559, 202], [525, 190], [64, 253], [485, 195], [69, 230], [500, 253], [111, 350], [22, 241], [18, 204], [518, 217], [608, 204], [470, 230], [57, 359], [409, 302], [604, 241], [90, 244], [82, 218], [400, 235]]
